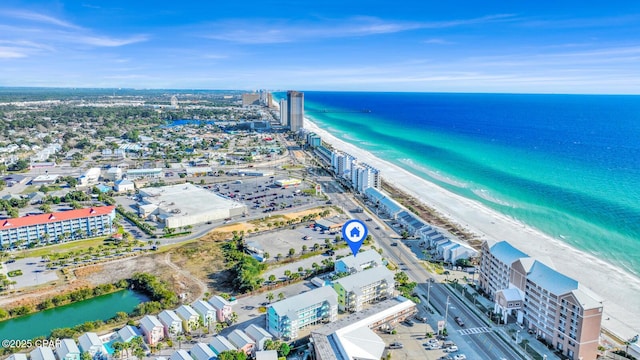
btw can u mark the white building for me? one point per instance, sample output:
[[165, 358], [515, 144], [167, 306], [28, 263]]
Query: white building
[[124, 185], [68, 350], [186, 204], [353, 264], [171, 322], [134, 174], [258, 334], [90, 342], [206, 311], [189, 317], [90, 176], [283, 113], [17, 356], [114, 174], [202, 351], [369, 286], [267, 355], [295, 110], [42, 353], [152, 329], [352, 337]]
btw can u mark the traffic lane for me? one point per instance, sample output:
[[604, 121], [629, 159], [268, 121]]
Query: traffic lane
[[488, 344]]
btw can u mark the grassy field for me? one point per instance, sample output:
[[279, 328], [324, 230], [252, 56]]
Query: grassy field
[[62, 248]]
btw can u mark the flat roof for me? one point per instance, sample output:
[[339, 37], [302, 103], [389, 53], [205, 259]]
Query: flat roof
[[366, 277], [293, 304]]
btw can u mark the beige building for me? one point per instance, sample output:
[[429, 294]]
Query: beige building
[[557, 308]]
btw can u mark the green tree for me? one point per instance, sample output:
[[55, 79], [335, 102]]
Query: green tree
[[270, 297]]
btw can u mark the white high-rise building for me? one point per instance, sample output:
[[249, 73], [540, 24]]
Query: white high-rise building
[[284, 113], [295, 110]]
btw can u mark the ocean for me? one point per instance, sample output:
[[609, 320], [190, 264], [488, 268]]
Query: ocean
[[568, 165]]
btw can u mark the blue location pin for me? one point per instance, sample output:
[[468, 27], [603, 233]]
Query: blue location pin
[[354, 232]]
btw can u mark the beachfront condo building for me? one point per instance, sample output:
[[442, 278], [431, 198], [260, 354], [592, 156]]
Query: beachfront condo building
[[57, 227], [284, 112], [286, 317], [558, 309], [295, 110], [364, 287]]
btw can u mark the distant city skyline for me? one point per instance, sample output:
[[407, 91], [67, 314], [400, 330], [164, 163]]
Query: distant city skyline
[[459, 46]]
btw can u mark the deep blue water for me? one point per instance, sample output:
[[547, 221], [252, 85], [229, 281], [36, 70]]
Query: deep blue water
[[568, 165]]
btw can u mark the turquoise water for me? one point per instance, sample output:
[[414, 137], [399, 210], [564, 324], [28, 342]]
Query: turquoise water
[[568, 165], [109, 347], [98, 308]]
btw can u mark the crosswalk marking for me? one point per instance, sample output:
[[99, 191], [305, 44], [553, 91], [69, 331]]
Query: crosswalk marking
[[477, 330]]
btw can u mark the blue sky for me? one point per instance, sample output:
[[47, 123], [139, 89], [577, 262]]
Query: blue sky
[[450, 46]]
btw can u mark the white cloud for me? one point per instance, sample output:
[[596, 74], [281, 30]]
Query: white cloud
[[107, 41], [38, 17]]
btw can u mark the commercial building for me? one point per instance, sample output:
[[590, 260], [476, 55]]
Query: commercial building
[[186, 204], [558, 309], [288, 182], [124, 185], [152, 329], [67, 349], [44, 180], [134, 174], [57, 226], [368, 286], [90, 342], [353, 337], [252, 99], [353, 264], [295, 110], [286, 317]]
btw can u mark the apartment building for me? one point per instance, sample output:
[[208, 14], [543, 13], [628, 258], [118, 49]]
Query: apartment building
[[152, 329], [368, 286], [557, 308], [57, 226], [353, 264], [286, 317]]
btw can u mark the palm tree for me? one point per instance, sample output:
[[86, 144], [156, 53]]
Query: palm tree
[[281, 296], [270, 297]]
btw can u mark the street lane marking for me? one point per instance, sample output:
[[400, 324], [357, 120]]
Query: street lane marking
[[472, 331]]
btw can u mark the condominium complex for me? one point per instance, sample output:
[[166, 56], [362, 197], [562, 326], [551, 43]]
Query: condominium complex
[[556, 307], [286, 317], [57, 226], [284, 111], [353, 264], [358, 175], [295, 110], [368, 286]]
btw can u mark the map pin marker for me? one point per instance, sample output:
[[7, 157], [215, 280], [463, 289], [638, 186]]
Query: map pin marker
[[354, 232]]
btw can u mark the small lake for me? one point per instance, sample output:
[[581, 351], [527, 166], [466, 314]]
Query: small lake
[[99, 308]]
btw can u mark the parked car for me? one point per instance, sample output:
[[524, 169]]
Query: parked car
[[408, 322], [395, 345], [451, 349], [459, 321], [460, 357]]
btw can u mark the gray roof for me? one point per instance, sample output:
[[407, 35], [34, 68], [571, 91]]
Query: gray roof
[[358, 280], [42, 353], [127, 333], [218, 302], [511, 294], [257, 333], [239, 338], [411, 219], [506, 253], [89, 340], [149, 322], [181, 355], [363, 258], [377, 196], [290, 306], [167, 317], [202, 351], [587, 298], [186, 312], [67, 346], [551, 280], [202, 307], [17, 356], [220, 344]]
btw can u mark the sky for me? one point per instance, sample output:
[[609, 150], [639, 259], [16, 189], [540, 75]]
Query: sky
[[428, 46]]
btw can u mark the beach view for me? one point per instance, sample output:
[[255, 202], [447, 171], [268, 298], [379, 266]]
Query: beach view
[[319, 181]]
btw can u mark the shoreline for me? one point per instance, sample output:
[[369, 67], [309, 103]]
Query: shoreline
[[618, 288]]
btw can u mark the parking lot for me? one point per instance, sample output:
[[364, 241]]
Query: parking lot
[[34, 272]]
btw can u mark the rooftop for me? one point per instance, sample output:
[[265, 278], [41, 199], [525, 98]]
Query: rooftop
[[55, 217], [364, 258], [551, 280], [506, 253], [363, 278], [291, 305]]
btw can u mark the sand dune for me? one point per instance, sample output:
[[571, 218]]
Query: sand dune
[[619, 289]]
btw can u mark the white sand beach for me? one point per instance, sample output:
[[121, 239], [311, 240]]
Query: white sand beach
[[619, 289]]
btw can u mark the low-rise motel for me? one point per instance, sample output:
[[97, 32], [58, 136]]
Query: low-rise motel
[[57, 226]]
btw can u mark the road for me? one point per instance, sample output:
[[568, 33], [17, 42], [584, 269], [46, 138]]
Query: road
[[476, 339]]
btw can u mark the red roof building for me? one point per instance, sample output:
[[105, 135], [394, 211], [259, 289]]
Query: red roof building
[[57, 227]]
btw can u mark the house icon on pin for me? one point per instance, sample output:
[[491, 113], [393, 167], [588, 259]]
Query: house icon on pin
[[355, 232]]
